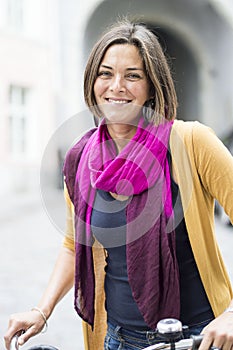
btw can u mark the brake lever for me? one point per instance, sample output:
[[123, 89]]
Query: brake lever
[[14, 343]]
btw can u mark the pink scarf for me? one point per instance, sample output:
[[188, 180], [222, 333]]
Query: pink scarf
[[140, 171]]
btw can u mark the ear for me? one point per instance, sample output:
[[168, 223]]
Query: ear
[[151, 102]]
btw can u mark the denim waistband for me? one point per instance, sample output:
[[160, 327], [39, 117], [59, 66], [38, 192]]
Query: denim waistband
[[143, 336], [148, 336]]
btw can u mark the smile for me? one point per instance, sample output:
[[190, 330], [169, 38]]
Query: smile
[[110, 100]]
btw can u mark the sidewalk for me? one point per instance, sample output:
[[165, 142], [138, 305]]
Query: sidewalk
[[29, 244]]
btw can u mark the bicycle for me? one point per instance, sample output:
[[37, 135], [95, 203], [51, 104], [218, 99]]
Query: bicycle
[[169, 330], [14, 345]]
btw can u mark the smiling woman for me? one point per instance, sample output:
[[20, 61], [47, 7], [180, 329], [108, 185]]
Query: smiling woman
[[140, 191]]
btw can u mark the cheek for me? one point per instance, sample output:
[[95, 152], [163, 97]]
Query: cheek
[[140, 89], [142, 93], [146, 90], [99, 88], [95, 89]]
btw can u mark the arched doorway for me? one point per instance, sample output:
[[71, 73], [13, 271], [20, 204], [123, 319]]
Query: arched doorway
[[184, 70]]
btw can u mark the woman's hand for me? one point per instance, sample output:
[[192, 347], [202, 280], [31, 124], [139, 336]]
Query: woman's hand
[[219, 333], [28, 323]]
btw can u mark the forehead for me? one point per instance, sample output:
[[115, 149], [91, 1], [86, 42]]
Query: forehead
[[124, 54]]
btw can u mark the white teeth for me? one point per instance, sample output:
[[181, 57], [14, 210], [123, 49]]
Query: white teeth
[[117, 101]]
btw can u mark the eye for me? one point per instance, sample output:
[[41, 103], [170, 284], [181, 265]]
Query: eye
[[104, 74], [134, 76]]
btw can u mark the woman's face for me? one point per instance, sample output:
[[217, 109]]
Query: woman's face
[[122, 87]]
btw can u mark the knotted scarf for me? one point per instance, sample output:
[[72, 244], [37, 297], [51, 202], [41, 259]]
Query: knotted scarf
[[140, 172]]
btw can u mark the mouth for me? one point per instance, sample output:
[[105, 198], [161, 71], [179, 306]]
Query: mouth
[[118, 101]]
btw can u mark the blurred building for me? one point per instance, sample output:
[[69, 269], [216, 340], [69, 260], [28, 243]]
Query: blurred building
[[44, 45], [30, 73]]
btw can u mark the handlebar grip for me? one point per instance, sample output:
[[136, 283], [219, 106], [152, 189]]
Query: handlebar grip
[[197, 339], [14, 343]]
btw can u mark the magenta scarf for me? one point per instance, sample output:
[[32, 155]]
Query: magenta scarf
[[140, 171]]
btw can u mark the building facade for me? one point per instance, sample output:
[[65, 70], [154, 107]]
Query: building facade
[[28, 87], [44, 46]]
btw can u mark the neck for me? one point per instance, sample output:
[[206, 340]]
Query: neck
[[121, 134]]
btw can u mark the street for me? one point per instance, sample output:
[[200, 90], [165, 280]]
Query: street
[[29, 243]]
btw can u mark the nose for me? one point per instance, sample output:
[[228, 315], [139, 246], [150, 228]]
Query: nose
[[117, 84]]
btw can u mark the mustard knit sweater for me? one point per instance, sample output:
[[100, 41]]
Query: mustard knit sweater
[[203, 170]]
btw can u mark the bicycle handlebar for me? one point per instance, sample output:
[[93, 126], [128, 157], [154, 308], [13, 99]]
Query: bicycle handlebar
[[191, 343], [169, 330]]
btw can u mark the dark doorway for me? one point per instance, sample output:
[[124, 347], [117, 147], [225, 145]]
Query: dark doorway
[[184, 70]]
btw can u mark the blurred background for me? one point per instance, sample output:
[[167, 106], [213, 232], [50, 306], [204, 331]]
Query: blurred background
[[44, 45]]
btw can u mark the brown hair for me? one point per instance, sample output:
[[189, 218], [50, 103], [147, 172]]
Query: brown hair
[[164, 102]]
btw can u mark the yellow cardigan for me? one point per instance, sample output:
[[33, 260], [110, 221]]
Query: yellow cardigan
[[203, 169]]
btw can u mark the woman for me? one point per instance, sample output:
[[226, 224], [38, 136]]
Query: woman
[[140, 189]]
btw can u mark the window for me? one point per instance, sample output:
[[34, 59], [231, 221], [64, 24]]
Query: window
[[18, 119], [15, 14]]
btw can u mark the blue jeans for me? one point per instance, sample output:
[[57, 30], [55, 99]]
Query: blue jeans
[[118, 338]]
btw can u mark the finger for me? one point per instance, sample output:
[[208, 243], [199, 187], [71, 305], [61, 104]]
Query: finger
[[7, 342], [228, 344], [206, 343], [12, 331], [222, 341], [30, 332]]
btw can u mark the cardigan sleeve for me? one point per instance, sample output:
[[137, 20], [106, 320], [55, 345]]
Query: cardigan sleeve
[[214, 163], [69, 239]]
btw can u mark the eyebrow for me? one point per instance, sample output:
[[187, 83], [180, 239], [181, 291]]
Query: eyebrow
[[130, 68]]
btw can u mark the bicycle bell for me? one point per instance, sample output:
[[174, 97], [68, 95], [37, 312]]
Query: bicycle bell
[[170, 329]]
